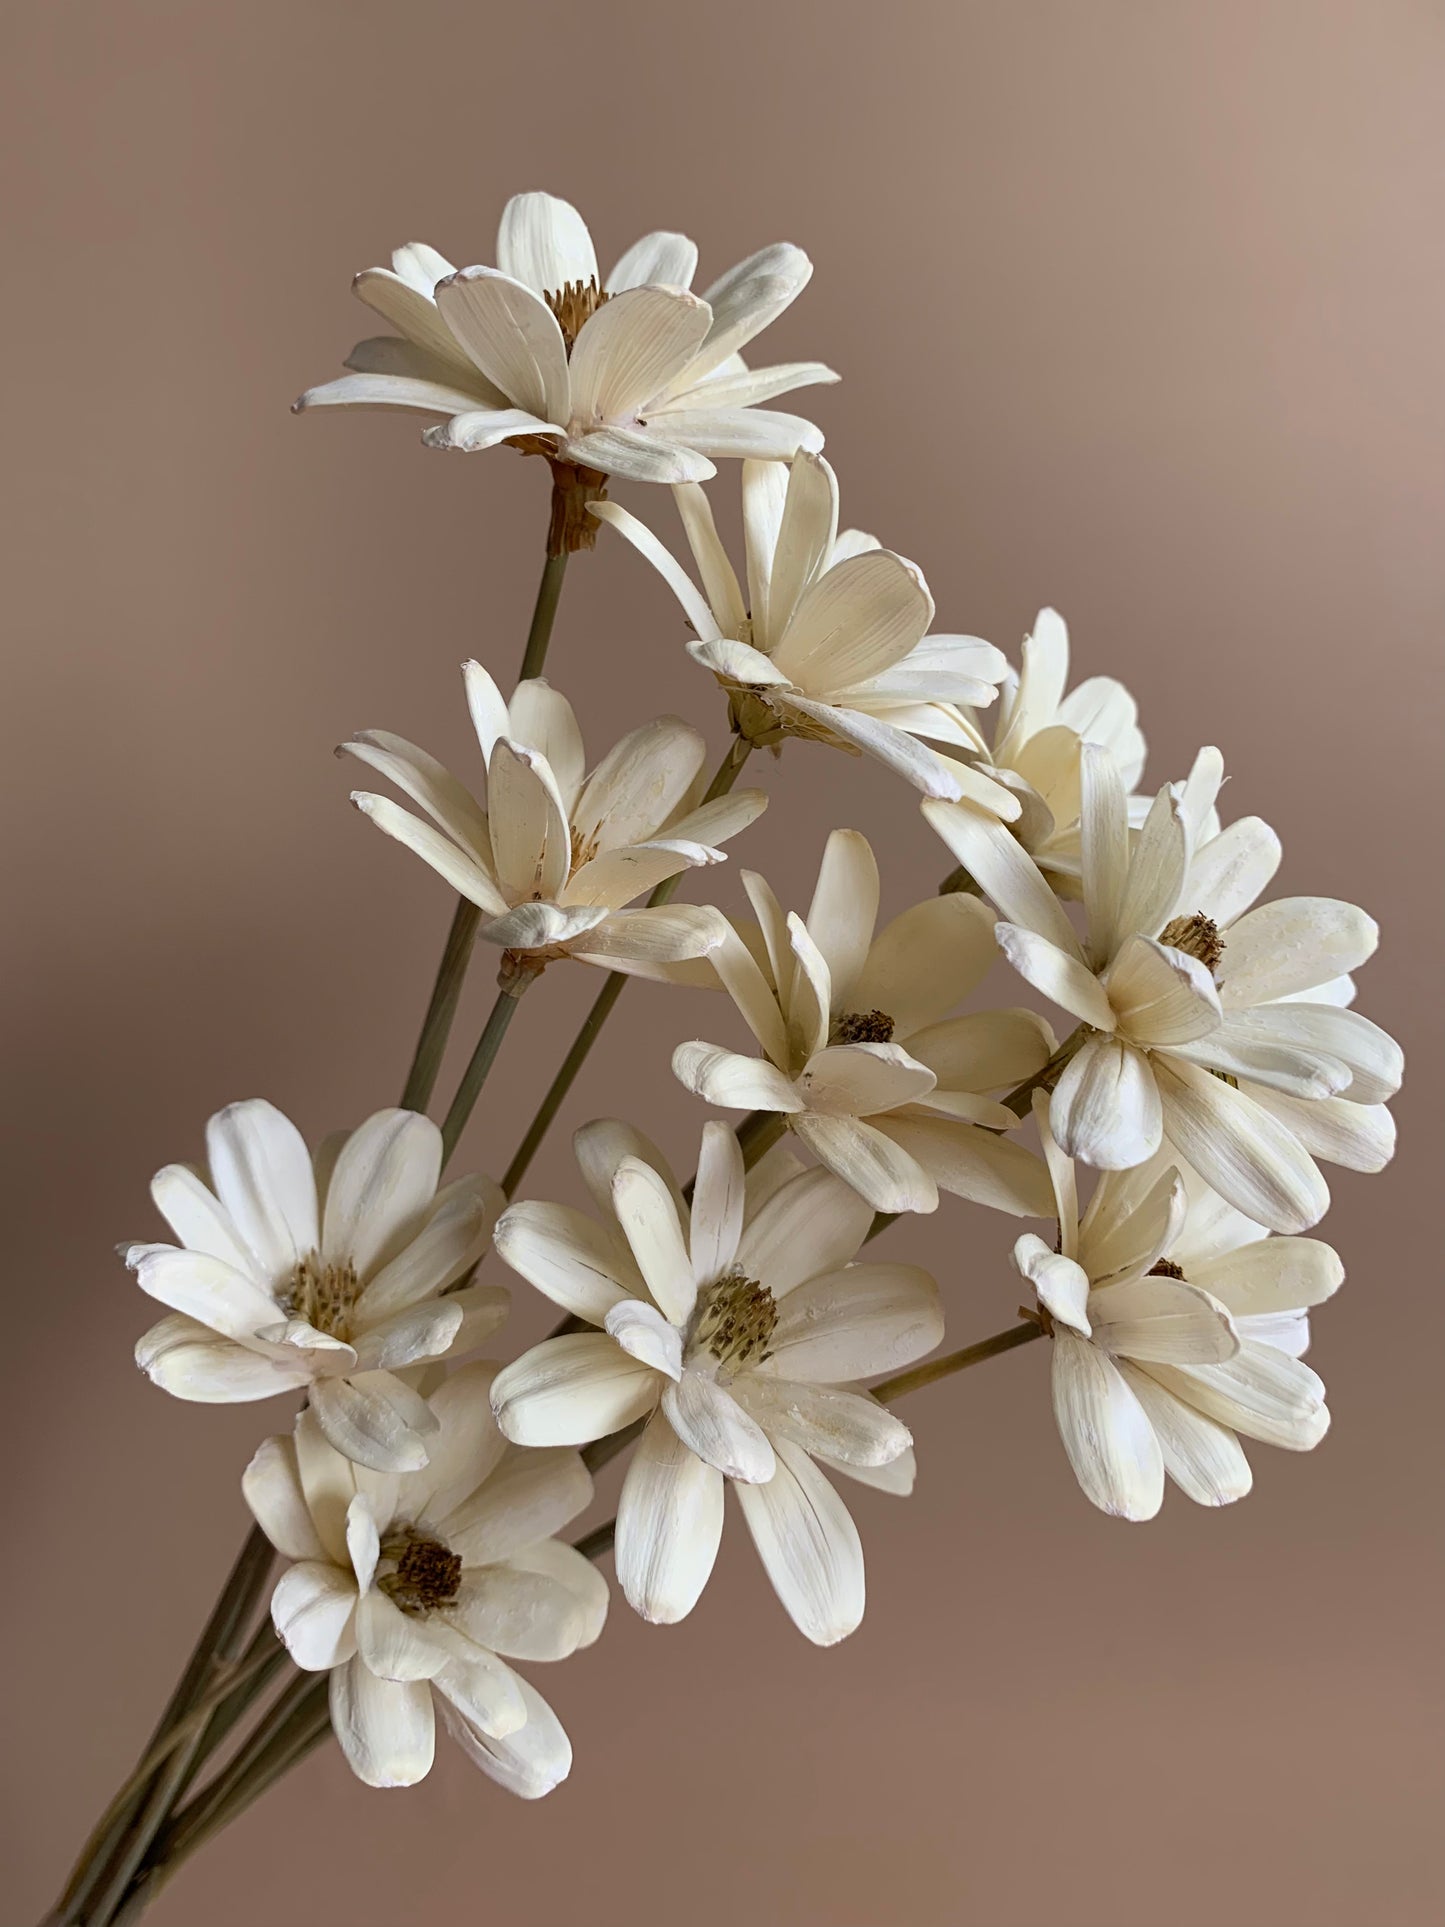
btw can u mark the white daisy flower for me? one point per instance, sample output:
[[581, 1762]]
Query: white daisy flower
[[328, 1275], [413, 1590], [861, 1057], [556, 854], [1177, 1324], [1176, 986], [1038, 728], [830, 638], [737, 1329], [627, 374]]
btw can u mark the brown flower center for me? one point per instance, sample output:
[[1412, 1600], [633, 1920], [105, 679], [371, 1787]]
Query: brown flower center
[[863, 1027], [1197, 936], [734, 1322], [1166, 1268], [323, 1294], [574, 304], [423, 1573]]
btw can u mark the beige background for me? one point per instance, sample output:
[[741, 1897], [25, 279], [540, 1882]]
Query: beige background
[[1139, 311]]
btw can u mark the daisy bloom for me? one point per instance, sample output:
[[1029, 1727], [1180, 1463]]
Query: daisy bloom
[[627, 374], [556, 854], [1176, 985], [830, 638], [1177, 1324], [328, 1274], [736, 1328], [1039, 727], [413, 1590], [860, 1056]]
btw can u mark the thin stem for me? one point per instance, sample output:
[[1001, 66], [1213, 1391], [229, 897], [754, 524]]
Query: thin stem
[[475, 1075], [606, 998], [125, 1830], [758, 1133], [597, 1454], [544, 614], [446, 991], [1020, 1101], [902, 1383]]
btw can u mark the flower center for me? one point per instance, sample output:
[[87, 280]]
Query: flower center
[[584, 848], [1166, 1268], [733, 1323], [323, 1294], [418, 1572], [574, 304], [863, 1027], [1197, 936]]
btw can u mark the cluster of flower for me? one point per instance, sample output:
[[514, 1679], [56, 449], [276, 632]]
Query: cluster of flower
[[1211, 1058]]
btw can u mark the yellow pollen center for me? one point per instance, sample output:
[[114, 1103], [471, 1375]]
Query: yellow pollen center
[[417, 1572], [734, 1324], [1197, 936], [322, 1293], [574, 304], [863, 1027]]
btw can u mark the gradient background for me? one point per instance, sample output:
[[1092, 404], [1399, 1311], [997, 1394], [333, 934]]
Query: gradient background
[[1139, 310]]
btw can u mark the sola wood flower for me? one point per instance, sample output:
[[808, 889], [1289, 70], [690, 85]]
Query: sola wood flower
[[737, 1328], [1039, 727], [329, 1275], [1177, 1324], [829, 640], [556, 854], [1188, 996], [626, 375], [861, 1058], [414, 1590]]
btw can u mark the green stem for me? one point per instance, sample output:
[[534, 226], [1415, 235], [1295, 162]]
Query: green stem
[[446, 991], [902, 1383], [606, 998], [482, 1059], [544, 614]]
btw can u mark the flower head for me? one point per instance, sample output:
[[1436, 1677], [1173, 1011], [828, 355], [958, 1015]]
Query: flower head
[[414, 1590], [557, 854], [861, 1057], [1177, 1324], [627, 375], [736, 1327], [330, 1274], [829, 640], [1185, 993]]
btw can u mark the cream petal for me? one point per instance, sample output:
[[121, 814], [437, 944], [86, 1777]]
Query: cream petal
[[765, 490], [449, 804], [466, 1448], [811, 998], [443, 1249], [644, 1334], [855, 1323], [521, 1615], [748, 387], [420, 1332], [486, 707], [529, 1497], [711, 1423], [390, 391], [973, 1163], [198, 1218], [1110, 1443], [668, 259], [461, 871], [923, 962], [385, 1728], [1328, 1036], [747, 298], [1237, 1146], [1104, 848], [986, 1051], [374, 1418], [529, 1762], [512, 336], [388, 1644], [204, 1289], [314, 1612], [541, 718], [638, 454], [568, 1256], [262, 1173], [644, 1208], [1122, 1238], [1156, 869], [880, 1170], [1161, 995], [1106, 1110], [1205, 1460], [1060, 1284], [571, 1569], [1163, 1320], [531, 838], [933, 775], [807, 531], [1056, 974], [857, 1080], [853, 622], [1260, 1392], [1290, 945], [474, 1685], [1359, 1136], [384, 1179], [478, 429], [540, 926], [186, 1359], [725, 601], [809, 1547], [271, 1486], [1248, 1044], [403, 295], [717, 1203], [844, 908], [638, 784], [733, 1082], [630, 349], [1270, 1276], [1232, 869], [1005, 873], [568, 1391], [843, 1427], [809, 1224], [618, 876], [600, 1148], [543, 242], [669, 1524]]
